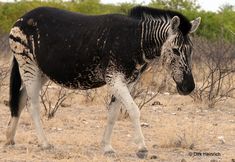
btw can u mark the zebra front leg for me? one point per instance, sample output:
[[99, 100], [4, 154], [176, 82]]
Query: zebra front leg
[[12, 125], [114, 108], [121, 92]]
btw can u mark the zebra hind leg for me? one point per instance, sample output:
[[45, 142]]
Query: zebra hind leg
[[33, 85], [25, 72], [33, 79]]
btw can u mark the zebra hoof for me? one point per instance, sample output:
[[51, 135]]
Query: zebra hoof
[[143, 153], [110, 153], [10, 143]]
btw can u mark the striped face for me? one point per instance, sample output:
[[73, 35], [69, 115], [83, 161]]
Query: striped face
[[177, 54]]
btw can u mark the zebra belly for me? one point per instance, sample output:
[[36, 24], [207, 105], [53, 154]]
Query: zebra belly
[[75, 78], [82, 82]]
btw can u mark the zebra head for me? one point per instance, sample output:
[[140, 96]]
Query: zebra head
[[177, 52]]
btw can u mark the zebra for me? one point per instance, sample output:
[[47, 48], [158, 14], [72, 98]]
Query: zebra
[[82, 52]]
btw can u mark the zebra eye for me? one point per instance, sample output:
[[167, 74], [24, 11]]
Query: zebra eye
[[176, 51]]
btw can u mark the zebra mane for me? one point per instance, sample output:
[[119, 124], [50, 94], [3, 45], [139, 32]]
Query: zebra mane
[[139, 12]]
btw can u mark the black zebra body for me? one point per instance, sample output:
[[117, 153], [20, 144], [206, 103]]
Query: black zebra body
[[80, 51]]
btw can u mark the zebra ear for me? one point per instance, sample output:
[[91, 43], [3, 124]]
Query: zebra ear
[[175, 22], [195, 23]]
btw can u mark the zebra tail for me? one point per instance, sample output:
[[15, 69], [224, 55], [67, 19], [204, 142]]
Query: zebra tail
[[15, 85]]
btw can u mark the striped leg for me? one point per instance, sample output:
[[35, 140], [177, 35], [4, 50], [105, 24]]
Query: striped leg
[[33, 80], [114, 108], [33, 86], [25, 68], [12, 125], [121, 92]]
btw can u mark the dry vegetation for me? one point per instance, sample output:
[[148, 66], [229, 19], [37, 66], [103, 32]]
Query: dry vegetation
[[174, 126], [215, 70]]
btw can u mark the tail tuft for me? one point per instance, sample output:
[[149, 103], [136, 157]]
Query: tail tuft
[[15, 85]]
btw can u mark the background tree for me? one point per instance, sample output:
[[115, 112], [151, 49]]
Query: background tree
[[176, 4]]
